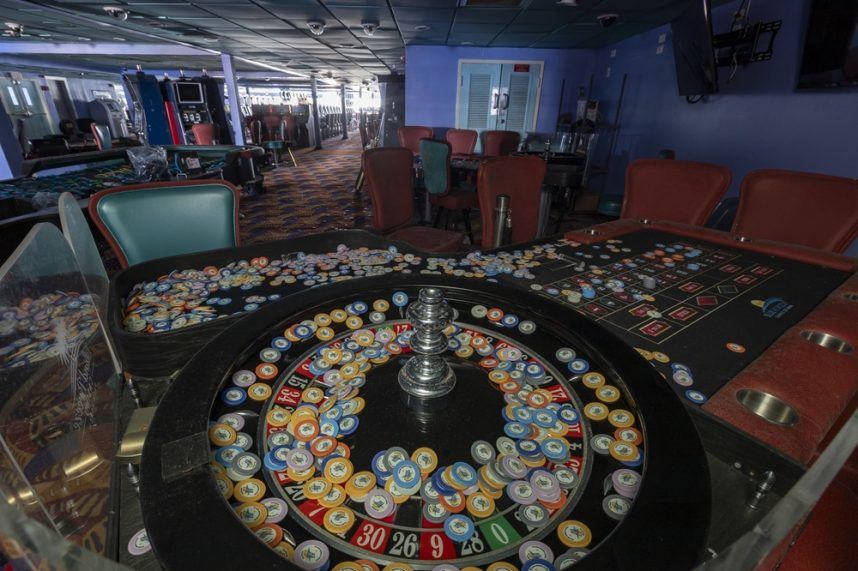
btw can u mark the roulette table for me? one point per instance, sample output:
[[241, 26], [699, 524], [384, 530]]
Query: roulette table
[[422, 422], [773, 360]]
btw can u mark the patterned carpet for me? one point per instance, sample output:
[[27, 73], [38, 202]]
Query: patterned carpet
[[316, 196]]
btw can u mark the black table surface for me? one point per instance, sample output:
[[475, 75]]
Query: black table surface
[[738, 298]]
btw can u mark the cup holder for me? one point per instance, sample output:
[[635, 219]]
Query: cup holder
[[768, 407], [851, 296], [591, 232], [742, 239], [645, 221], [827, 341]]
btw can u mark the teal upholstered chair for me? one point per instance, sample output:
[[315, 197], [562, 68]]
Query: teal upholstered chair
[[435, 157], [146, 221], [102, 136]]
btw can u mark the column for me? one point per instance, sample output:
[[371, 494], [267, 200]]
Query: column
[[234, 99], [317, 129]]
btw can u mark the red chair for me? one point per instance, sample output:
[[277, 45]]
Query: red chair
[[205, 133], [500, 143], [462, 141], [520, 178], [388, 174], [102, 136], [676, 191], [815, 210], [409, 137]]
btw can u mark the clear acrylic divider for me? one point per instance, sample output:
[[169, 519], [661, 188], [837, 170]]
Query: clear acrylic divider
[[79, 237], [58, 412], [751, 549]]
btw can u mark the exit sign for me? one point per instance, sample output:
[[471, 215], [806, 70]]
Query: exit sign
[[521, 67]]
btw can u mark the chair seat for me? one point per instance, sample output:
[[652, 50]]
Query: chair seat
[[429, 239], [456, 200]]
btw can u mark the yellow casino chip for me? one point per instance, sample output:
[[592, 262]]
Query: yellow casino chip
[[573, 533]]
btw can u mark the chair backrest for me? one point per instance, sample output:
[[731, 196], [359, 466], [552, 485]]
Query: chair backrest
[[409, 137], [274, 125], [520, 178], [67, 128], [102, 136], [388, 174], [256, 131], [500, 143], [676, 191], [435, 156], [147, 221], [462, 141], [815, 210], [205, 133], [289, 124], [364, 134]]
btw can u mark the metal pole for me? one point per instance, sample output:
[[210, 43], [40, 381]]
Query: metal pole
[[317, 130], [502, 219], [234, 99], [345, 114]]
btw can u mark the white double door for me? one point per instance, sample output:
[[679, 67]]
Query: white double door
[[502, 96]]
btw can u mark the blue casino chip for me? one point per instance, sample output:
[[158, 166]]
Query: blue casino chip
[[233, 396], [578, 366], [400, 299], [459, 528], [348, 424]]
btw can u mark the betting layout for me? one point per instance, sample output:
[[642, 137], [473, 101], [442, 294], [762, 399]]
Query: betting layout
[[513, 495], [699, 312]]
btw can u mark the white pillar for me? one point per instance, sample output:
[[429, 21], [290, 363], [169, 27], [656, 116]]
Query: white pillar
[[234, 99]]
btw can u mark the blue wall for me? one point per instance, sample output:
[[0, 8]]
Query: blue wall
[[757, 120], [431, 75]]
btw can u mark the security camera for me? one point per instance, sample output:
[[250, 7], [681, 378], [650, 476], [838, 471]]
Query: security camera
[[317, 27], [369, 28], [607, 20]]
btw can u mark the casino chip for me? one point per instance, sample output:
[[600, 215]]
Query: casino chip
[[459, 528]]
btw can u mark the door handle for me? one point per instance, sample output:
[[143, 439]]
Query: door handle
[[494, 101], [505, 101]]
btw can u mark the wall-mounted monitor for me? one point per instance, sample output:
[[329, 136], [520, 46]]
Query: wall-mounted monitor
[[830, 46], [189, 92], [694, 56]]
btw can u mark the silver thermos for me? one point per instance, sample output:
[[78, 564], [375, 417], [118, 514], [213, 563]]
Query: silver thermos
[[503, 221]]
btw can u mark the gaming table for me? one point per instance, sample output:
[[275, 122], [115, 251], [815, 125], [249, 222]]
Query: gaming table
[[83, 174], [733, 329]]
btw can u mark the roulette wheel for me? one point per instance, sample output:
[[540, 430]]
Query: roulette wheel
[[422, 423]]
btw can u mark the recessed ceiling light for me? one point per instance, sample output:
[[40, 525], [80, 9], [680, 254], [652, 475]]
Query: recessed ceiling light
[[467, 43], [422, 28], [116, 12], [568, 2]]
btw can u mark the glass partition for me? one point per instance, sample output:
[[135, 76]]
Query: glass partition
[[79, 237], [751, 549], [58, 402]]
